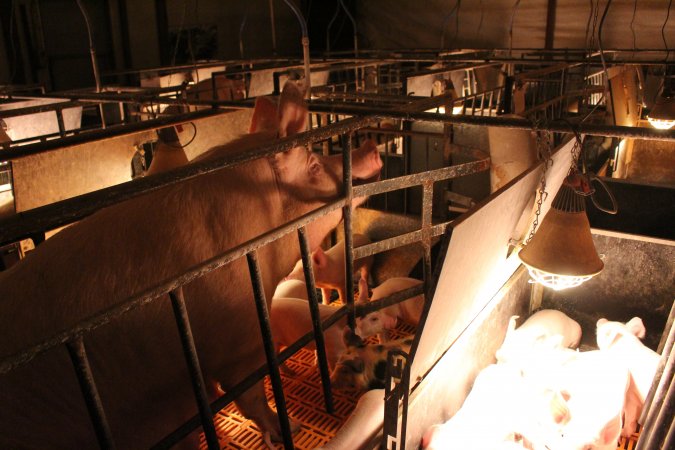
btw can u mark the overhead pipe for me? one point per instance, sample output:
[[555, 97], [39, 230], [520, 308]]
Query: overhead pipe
[[94, 61], [305, 45]]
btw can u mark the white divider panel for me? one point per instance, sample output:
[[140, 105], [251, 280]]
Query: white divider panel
[[476, 265], [39, 124]]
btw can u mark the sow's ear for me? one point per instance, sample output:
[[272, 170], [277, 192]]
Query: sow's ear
[[265, 116], [292, 111]]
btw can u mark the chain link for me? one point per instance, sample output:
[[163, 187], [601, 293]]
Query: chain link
[[543, 144]]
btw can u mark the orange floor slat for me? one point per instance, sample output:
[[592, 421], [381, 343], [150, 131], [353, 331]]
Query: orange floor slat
[[305, 404]]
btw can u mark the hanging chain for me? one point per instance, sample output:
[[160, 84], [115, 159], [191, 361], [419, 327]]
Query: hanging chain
[[543, 141]]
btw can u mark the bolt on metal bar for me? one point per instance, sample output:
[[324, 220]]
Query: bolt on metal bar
[[666, 347], [347, 218], [194, 368], [268, 343], [78, 356], [316, 319]]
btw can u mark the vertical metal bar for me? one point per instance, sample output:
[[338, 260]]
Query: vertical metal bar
[[663, 419], [190, 353], [347, 217], [427, 211], [59, 119], [386, 170], [665, 355], [316, 320], [670, 438], [274, 31], [649, 426], [78, 356], [266, 333]]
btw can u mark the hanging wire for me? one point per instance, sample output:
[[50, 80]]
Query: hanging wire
[[602, 54], [480, 23], [446, 20], [588, 26], [241, 32], [632, 20], [330, 24], [513, 16], [663, 29]]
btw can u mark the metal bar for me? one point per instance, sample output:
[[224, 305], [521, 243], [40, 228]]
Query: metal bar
[[110, 132], [244, 385], [59, 120], [655, 410], [398, 241], [268, 343], [49, 107], [316, 320], [347, 218], [557, 126], [665, 417], [194, 368], [427, 209], [78, 356], [665, 348], [75, 208]]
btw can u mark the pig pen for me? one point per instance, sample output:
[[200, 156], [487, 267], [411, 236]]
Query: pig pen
[[473, 318], [485, 267]]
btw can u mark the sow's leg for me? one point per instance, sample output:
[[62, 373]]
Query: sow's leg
[[253, 405]]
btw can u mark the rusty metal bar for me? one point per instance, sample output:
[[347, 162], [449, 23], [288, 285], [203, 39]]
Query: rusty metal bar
[[398, 241], [78, 355], [427, 209], [75, 208], [661, 405], [347, 218], [110, 132], [316, 319], [557, 126], [268, 343], [665, 348], [194, 368]]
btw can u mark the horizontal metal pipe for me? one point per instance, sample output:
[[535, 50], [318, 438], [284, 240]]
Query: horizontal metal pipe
[[558, 126], [49, 107], [398, 241], [109, 132], [66, 211]]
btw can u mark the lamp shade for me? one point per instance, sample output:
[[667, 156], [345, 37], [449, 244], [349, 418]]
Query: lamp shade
[[562, 252], [662, 115]]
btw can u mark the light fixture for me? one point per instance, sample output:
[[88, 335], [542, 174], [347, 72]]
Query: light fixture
[[662, 115], [562, 254]]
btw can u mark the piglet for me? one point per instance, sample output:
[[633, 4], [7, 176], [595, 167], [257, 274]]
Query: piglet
[[622, 342], [362, 425], [594, 384], [379, 322], [503, 410], [329, 271], [547, 325], [290, 320], [362, 367]]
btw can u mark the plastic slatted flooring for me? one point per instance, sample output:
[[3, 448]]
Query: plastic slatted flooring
[[305, 404]]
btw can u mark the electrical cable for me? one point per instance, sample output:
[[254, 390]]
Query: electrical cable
[[513, 16]]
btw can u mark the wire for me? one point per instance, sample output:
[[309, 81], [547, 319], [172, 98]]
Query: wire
[[446, 20], [663, 28], [631, 25], [513, 16], [480, 23], [602, 55]]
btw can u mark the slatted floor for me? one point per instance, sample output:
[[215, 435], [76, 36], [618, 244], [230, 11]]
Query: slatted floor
[[304, 400], [305, 404]]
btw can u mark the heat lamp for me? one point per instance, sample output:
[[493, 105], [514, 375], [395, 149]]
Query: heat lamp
[[562, 254], [662, 115]]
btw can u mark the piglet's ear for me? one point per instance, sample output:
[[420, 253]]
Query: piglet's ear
[[265, 116], [292, 111], [636, 327], [601, 322]]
